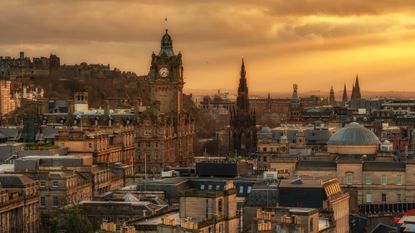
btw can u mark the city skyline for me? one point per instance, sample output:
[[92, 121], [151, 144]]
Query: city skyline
[[316, 44]]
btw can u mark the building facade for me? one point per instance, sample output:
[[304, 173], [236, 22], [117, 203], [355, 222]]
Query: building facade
[[164, 134], [19, 204]]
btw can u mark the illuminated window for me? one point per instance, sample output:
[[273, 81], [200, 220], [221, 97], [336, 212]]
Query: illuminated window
[[368, 180], [398, 180], [349, 177], [241, 189], [369, 198], [384, 180]]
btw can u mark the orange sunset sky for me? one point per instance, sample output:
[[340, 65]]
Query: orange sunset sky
[[315, 43]]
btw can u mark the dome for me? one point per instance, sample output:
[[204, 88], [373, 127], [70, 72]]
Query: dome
[[265, 129], [166, 45], [353, 134]]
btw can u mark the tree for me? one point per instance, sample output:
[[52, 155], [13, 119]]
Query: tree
[[72, 221]]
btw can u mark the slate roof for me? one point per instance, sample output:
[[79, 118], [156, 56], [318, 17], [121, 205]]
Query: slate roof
[[357, 223], [14, 180], [262, 195], [313, 165], [383, 228], [354, 134], [312, 136], [12, 133], [316, 136], [384, 166]]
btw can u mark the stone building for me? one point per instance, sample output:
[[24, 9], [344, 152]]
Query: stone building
[[107, 145], [205, 211], [297, 205], [60, 185], [23, 66], [164, 132], [7, 103], [122, 209], [19, 204], [243, 120], [379, 183]]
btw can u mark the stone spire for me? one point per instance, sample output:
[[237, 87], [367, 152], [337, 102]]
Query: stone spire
[[243, 121], [357, 88], [345, 98], [242, 101], [332, 99]]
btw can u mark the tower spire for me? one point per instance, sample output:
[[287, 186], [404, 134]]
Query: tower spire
[[242, 100], [345, 98], [243, 72], [332, 99], [357, 94]]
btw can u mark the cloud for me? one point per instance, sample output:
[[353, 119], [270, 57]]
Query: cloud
[[213, 35]]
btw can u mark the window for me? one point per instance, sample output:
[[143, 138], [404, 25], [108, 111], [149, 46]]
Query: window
[[369, 198], [368, 180], [349, 178], [42, 201], [241, 189], [249, 189], [90, 145], [217, 187], [55, 201], [42, 183], [55, 184], [384, 180], [398, 198], [220, 206], [383, 197], [221, 228], [210, 187], [202, 186], [398, 180]]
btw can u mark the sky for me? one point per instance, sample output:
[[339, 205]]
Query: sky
[[314, 43]]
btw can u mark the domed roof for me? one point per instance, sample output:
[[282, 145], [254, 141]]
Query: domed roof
[[354, 134], [166, 45], [265, 129]]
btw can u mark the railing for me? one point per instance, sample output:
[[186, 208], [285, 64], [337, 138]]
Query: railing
[[385, 209]]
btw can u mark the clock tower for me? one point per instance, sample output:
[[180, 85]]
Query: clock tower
[[166, 77]]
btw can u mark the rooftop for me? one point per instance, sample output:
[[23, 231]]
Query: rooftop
[[354, 134]]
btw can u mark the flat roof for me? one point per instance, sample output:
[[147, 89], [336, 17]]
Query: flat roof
[[158, 219]]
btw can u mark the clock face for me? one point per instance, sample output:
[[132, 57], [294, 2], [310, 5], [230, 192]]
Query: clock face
[[164, 72]]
